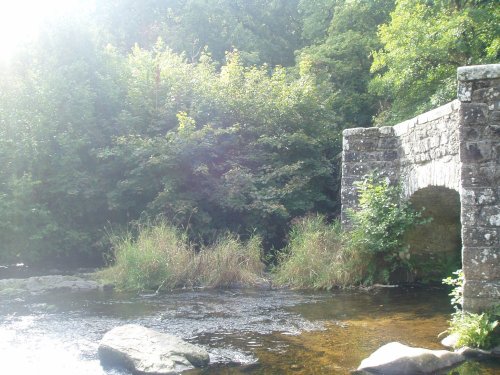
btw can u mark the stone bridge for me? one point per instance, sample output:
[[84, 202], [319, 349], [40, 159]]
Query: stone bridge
[[448, 161]]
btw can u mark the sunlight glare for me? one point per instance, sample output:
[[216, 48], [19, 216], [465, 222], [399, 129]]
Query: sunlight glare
[[20, 20]]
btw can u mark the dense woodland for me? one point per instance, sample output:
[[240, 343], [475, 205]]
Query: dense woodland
[[218, 115]]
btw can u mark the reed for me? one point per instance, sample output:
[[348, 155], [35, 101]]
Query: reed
[[319, 256], [160, 257]]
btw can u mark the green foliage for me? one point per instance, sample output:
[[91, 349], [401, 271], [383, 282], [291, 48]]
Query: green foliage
[[473, 330], [379, 225], [457, 293], [423, 44], [160, 257], [342, 36], [263, 31], [321, 256], [317, 257], [101, 123], [237, 149]]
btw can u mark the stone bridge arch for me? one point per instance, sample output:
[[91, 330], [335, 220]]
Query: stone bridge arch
[[455, 147]]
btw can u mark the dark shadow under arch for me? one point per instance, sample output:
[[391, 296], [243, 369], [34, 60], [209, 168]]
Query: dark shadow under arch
[[436, 247]]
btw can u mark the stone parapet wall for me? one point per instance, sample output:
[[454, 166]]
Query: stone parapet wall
[[456, 146], [365, 150]]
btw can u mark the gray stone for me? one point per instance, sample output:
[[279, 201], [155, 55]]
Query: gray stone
[[450, 341], [45, 284], [479, 354], [142, 350], [398, 359], [478, 72]]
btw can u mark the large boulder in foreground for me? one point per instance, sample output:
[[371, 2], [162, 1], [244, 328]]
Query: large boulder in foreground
[[398, 359], [144, 351]]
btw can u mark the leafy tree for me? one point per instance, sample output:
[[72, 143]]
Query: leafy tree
[[57, 110], [343, 35], [238, 149], [423, 44], [262, 30]]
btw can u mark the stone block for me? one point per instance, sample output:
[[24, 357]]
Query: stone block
[[487, 174], [480, 236], [478, 305], [478, 72], [469, 215], [490, 216], [495, 116], [478, 196], [369, 157], [388, 143], [480, 216], [361, 144], [464, 91], [476, 152], [482, 289], [361, 132], [481, 263], [486, 95], [362, 169], [474, 114], [493, 132]]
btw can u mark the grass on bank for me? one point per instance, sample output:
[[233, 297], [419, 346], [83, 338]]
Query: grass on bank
[[161, 257], [319, 256]]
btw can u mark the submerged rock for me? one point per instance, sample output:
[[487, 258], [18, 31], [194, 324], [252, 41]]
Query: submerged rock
[[142, 350], [44, 284], [398, 359]]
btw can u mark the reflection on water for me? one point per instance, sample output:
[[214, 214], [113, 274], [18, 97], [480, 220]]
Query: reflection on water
[[246, 332]]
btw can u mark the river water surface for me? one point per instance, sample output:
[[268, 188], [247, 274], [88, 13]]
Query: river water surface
[[245, 332]]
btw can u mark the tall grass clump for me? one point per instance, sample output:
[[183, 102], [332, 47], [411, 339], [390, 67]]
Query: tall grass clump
[[159, 256], [318, 257], [230, 262]]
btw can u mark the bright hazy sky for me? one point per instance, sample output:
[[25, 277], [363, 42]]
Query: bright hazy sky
[[20, 20]]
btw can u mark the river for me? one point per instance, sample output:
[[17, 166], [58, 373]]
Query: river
[[245, 331]]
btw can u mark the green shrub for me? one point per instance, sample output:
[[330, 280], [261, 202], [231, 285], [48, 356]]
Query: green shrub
[[473, 330], [457, 293], [160, 257], [379, 225], [317, 257]]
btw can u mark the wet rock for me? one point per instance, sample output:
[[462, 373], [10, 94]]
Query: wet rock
[[398, 359], [472, 353], [142, 350], [450, 341], [44, 284], [479, 354]]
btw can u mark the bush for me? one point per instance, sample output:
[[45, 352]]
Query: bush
[[473, 330], [160, 257], [317, 257], [379, 226]]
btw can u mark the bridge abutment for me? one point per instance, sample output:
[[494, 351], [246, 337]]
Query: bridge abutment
[[455, 146]]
